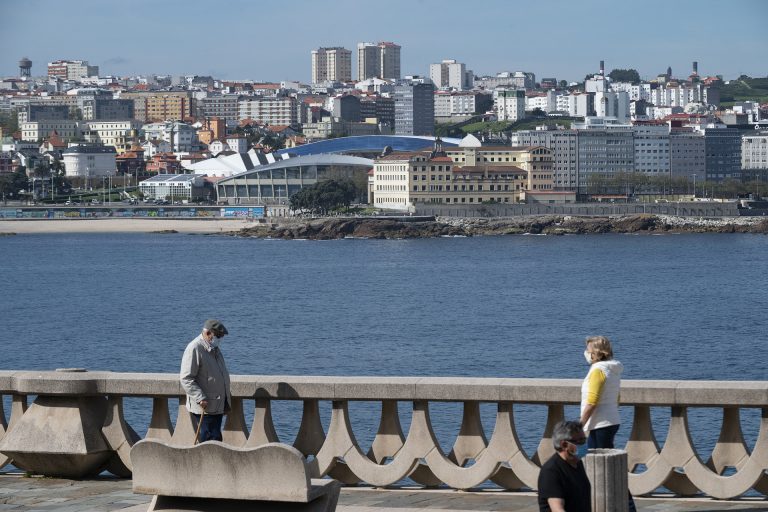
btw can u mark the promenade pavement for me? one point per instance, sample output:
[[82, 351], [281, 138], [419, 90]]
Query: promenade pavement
[[39, 494]]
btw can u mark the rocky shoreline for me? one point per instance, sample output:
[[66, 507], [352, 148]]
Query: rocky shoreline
[[394, 228]]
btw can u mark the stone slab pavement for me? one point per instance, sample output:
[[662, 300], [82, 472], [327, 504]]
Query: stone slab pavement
[[39, 494]]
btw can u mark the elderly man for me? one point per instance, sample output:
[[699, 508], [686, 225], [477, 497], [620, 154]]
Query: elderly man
[[563, 483], [205, 380]]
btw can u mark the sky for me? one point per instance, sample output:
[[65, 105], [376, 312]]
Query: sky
[[272, 41]]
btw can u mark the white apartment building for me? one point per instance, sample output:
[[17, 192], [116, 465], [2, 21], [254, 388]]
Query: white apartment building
[[450, 74], [636, 92], [597, 83], [37, 130], [271, 110], [754, 151], [331, 65], [612, 104], [391, 177], [71, 69], [680, 94], [577, 105], [449, 104], [181, 137], [509, 104], [546, 101], [652, 149], [110, 133], [237, 143], [89, 161]]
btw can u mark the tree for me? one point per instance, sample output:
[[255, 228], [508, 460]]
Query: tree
[[324, 196], [625, 75]]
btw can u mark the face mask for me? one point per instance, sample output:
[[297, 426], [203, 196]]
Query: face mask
[[215, 341], [588, 357], [582, 450]]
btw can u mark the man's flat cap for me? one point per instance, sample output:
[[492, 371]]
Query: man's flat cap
[[215, 326]]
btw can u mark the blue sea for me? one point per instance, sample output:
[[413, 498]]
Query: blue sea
[[676, 307]]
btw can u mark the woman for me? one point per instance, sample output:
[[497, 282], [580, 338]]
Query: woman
[[600, 396], [600, 393]]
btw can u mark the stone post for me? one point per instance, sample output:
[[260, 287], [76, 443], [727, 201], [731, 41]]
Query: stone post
[[607, 472]]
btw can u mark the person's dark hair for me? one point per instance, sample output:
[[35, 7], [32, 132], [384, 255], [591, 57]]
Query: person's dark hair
[[564, 431]]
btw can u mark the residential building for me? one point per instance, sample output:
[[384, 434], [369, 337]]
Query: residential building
[[390, 60], [109, 133], [86, 161], [71, 69], [40, 112], [604, 149], [517, 80], [212, 129], [414, 107], [269, 110], [181, 137], [652, 149], [378, 60], [163, 163], [368, 61], [380, 107], [108, 109], [452, 104], [330, 126], [35, 130], [723, 153], [544, 101], [225, 106], [754, 153], [564, 145], [687, 154], [612, 104], [345, 107], [237, 143], [331, 65], [450, 74], [161, 106], [509, 104]]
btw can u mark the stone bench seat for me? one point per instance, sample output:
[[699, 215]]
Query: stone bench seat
[[216, 476]]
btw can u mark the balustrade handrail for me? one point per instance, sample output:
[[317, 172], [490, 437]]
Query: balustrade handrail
[[89, 405], [695, 393]]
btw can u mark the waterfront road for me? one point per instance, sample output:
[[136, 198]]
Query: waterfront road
[[19, 493]]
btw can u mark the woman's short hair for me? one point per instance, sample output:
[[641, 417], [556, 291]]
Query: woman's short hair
[[601, 347]]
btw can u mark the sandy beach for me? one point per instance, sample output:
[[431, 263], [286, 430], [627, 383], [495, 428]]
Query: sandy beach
[[116, 225]]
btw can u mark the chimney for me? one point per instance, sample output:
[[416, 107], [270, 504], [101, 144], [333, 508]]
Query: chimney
[[602, 68], [695, 67]]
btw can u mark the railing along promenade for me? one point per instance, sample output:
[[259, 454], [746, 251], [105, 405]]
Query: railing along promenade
[[75, 427]]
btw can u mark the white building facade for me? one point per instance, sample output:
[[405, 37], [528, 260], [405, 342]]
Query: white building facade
[[109, 133], [450, 74], [89, 161], [754, 152], [509, 104], [270, 110]]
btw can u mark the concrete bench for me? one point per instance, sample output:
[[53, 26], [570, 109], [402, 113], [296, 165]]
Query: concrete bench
[[213, 476]]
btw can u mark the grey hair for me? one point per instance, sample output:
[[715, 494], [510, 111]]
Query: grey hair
[[564, 431]]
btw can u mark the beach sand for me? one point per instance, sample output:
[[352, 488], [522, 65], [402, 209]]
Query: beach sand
[[115, 225]]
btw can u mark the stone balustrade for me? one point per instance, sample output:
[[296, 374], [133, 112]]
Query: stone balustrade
[[76, 427]]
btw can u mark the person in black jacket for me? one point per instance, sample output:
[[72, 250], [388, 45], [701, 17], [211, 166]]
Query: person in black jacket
[[563, 483]]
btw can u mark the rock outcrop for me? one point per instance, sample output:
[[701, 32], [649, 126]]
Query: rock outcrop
[[390, 228]]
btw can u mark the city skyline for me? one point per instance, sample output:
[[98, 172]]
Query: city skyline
[[227, 43]]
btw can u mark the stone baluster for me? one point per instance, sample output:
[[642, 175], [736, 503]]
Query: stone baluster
[[160, 425]]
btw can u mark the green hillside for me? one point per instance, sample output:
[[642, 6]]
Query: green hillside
[[744, 89]]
